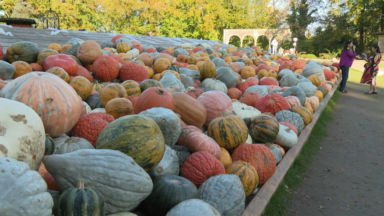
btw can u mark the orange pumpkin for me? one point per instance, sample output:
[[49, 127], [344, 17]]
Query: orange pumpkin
[[132, 87], [82, 87], [119, 107], [225, 158], [88, 52], [157, 77], [21, 68], [123, 47], [60, 72], [110, 92], [56, 102], [161, 65], [192, 115], [247, 72], [151, 73], [234, 93], [36, 67], [191, 60], [65, 48], [153, 97], [55, 46], [192, 67], [181, 58], [146, 58], [262, 73], [133, 100], [82, 71]]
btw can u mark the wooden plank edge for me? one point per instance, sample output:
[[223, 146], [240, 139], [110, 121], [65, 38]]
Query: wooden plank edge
[[258, 204]]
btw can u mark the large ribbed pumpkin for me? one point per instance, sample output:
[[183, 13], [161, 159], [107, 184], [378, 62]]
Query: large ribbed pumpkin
[[200, 166], [153, 97], [112, 91], [106, 68], [264, 128], [132, 87], [304, 113], [64, 61], [216, 103], [260, 157], [272, 103], [247, 174], [208, 70], [228, 131], [137, 136], [53, 99], [191, 111]]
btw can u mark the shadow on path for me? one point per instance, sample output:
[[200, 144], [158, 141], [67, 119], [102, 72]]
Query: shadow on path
[[347, 174]]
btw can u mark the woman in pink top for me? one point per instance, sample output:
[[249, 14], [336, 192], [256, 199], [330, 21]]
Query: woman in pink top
[[346, 60]]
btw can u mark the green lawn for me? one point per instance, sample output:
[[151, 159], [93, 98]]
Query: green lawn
[[355, 76], [381, 65]]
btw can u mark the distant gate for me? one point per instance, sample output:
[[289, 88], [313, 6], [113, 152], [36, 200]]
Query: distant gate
[[256, 33]]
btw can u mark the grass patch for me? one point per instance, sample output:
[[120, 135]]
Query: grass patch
[[281, 200], [308, 56], [355, 77], [381, 66]]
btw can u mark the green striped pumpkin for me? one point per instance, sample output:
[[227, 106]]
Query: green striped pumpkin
[[229, 131], [80, 201], [22, 51], [49, 145], [323, 90], [148, 83], [264, 129], [137, 136], [174, 68]]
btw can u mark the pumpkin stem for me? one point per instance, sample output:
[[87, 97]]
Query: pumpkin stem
[[268, 145], [160, 92], [80, 184]]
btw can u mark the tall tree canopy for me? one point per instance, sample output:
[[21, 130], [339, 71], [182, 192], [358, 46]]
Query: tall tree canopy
[[204, 19]]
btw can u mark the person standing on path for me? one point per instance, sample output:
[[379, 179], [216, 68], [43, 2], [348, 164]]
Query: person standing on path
[[275, 43], [346, 60], [371, 70]]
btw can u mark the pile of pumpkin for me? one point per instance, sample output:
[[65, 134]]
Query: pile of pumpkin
[[119, 126]]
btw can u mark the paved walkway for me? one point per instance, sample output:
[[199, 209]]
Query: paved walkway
[[347, 174]]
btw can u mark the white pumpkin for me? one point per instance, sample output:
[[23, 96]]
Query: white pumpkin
[[169, 80], [215, 85], [169, 164], [87, 107], [245, 111], [249, 140], [22, 134], [98, 110], [65, 144], [286, 137], [23, 191], [134, 53]]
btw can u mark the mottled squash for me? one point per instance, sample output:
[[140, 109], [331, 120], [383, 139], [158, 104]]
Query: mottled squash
[[82, 87], [22, 51], [148, 83], [112, 91], [132, 88], [119, 107], [208, 70], [264, 129], [228, 131], [137, 136], [247, 174], [21, 68], [192, 115], [44, 54], [60, 72], [304, 113]]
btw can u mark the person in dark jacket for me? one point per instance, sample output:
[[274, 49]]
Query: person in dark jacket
[[348, 55]]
